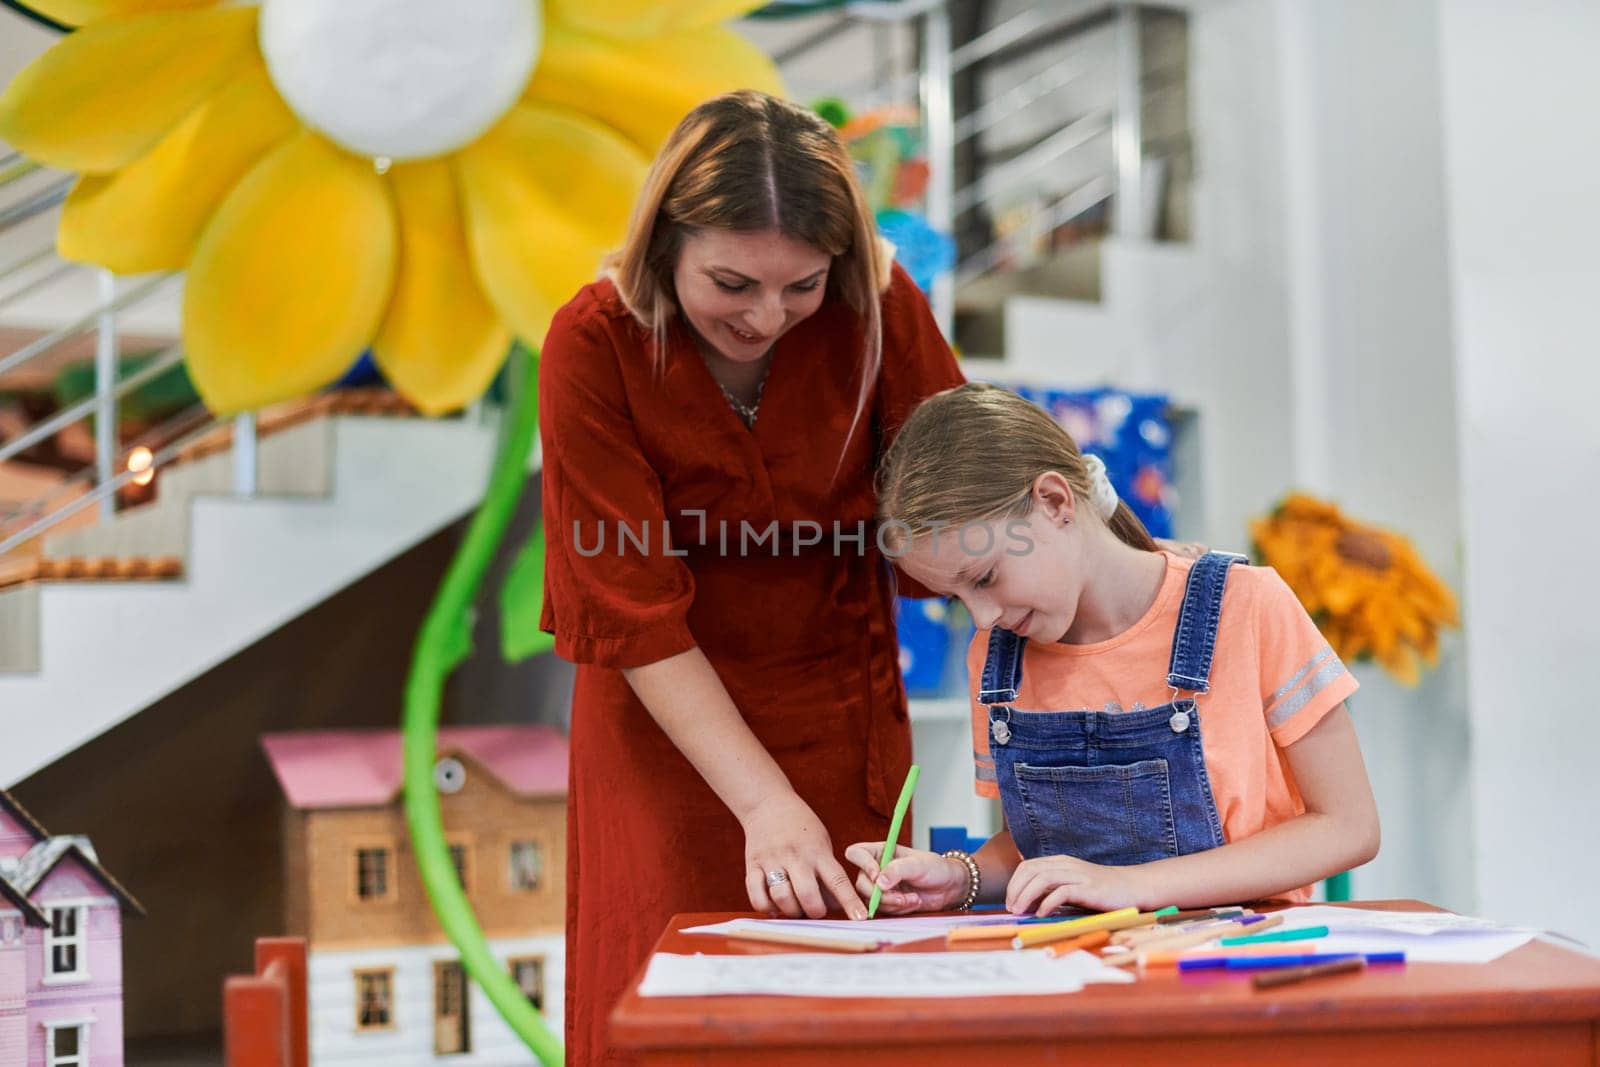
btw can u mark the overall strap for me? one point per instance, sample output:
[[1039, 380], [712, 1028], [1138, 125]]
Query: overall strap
[[1002, 668], [1196, 635]]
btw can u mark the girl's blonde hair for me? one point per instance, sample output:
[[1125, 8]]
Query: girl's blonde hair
[[972, 454], [746, 161]]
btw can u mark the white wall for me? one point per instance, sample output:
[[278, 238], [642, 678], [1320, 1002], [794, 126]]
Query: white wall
[[1205, 322], [1374, 402], [1519, 84]]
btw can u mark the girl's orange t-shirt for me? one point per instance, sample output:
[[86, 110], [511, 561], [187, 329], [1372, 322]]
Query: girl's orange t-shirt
[[1273, 677]]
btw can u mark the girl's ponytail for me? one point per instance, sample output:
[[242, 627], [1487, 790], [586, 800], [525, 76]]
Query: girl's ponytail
[[1129, 530], [972, 454]]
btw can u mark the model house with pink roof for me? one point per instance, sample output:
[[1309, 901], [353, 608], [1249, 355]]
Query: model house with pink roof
[[60, 948], [384, 982]]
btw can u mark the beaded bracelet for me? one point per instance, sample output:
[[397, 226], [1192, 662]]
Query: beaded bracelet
[[974, 878]]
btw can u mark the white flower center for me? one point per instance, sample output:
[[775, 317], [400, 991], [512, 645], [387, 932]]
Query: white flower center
[[402, 79]]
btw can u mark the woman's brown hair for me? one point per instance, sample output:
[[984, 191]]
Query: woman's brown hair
[[973, 454], [746, 161]]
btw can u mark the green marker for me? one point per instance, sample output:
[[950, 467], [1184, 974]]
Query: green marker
[[900, 807], [1304, 933]]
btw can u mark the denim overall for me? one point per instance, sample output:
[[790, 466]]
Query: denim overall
[[1114, 788]]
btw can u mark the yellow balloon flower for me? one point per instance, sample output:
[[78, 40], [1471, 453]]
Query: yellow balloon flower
[[1369, 591], [421, 177]]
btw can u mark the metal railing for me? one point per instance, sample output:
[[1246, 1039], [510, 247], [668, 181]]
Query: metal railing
[[1103, 144], [28, 192], [1074, 168]]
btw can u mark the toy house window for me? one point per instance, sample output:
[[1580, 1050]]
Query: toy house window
[[66, 1046], [65, 944], [374, 1000], [527, 866], [528, 973], [372, 873], [458, 860]]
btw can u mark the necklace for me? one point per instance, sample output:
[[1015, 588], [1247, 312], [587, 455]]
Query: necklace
[[746, 412]]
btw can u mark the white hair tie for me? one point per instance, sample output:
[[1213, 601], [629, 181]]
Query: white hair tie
[[1101, 493]]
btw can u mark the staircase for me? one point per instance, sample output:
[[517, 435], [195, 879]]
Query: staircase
[[106, 607], [339, 495]]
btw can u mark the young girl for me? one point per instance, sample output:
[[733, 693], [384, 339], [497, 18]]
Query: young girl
[[1159, 730]]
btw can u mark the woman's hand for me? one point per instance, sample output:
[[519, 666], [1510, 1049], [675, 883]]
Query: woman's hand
[[914, 880], [1050, 882], [782, 833]]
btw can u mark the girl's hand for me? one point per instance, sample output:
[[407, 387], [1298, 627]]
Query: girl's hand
[[1050, 882], [782, 833], [914, 880]]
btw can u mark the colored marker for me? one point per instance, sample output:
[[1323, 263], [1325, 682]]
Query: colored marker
[[1290, 975], [1303, 933], [1044, 935], [894, 832], [1085, 943], [1202, 913], [1172, 957], [1261, 963]]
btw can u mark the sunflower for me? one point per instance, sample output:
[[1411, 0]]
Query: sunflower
[[421, 177], [1369, 591]]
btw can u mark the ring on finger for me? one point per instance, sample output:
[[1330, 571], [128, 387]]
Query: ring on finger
[[776, 878]]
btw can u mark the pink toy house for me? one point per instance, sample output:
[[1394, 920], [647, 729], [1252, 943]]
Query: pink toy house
[[60, 948]]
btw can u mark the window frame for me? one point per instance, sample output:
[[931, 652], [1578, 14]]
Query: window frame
[[542, 963], [391, 889], [541, 851], [53, 1027], [78, 941], [359, 974], [466, 872]]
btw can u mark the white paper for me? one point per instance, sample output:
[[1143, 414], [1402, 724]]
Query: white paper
[[886, 974], [871, 932], [1422, 923], [1425, 937]]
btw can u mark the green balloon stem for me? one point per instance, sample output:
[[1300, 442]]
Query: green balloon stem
[[445, 640]]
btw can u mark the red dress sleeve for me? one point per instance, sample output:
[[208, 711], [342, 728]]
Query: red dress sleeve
[[917, 362], [614, 607]]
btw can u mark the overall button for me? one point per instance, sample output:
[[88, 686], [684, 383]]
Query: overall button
[[1000, 731], [1179, 721]]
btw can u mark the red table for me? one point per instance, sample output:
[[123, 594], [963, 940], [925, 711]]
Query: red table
[[1537, 1005]]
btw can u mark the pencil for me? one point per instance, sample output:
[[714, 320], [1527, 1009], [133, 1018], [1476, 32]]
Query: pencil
[[992, 931], [997, 932], [1175, 943], [809, 940], [1190, 938], [894, 831], [1143, 936], [1273, 979]]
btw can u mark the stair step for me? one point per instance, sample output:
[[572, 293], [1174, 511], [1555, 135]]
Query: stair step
[[89, 568]]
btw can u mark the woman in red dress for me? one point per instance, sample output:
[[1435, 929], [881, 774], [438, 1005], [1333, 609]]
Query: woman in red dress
[[738, 712]]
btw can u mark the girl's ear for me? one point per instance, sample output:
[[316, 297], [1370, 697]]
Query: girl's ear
[[1054, 499]]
